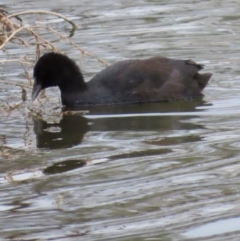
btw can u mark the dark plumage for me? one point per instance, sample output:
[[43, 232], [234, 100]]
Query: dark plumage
[[126, 82]]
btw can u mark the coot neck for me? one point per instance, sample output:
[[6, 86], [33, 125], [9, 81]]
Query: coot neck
[[73, 84]]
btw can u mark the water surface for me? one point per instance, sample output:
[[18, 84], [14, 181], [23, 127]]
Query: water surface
[[166, 171]]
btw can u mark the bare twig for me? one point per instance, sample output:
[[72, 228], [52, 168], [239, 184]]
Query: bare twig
[[84, 52], [20, 85], [45, 12], [16, 61], [11, 36], [11, 33]]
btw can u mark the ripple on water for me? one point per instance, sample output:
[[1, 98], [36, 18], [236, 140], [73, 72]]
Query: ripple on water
[[215, 228], [153, 172]]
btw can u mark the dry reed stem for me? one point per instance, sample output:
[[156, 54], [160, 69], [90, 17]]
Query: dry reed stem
[[44, 12], [11, 32], [10, 37], [16, 61], [40, 42], [84, 52], [20, 85]]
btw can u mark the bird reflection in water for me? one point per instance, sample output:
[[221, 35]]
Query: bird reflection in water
[[72, 128]]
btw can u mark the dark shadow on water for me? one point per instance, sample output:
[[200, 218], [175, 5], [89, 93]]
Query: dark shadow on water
[[64, 166], [150, 152], [161, 107], [72, 128], [173, 140]]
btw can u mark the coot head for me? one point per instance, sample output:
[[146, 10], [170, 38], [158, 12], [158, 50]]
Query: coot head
[[54, 69]]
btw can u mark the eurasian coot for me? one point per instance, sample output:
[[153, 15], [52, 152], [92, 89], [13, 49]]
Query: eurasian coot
[[126, 82]]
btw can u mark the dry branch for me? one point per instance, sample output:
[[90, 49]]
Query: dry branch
[[29, 37], [45, 12]]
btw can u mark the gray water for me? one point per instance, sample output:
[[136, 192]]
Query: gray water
[[167, 171]]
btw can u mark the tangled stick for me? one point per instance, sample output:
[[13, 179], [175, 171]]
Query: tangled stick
[[11, 31]]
